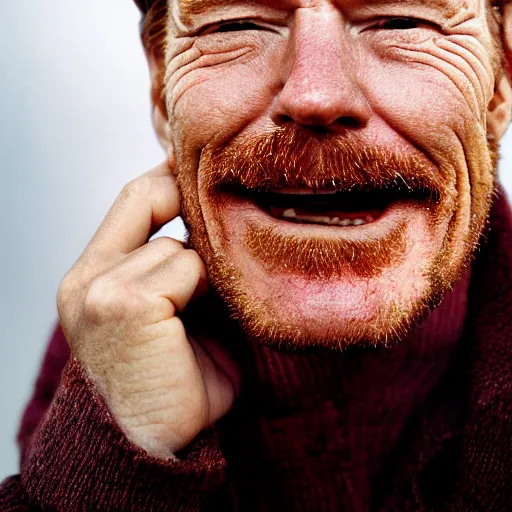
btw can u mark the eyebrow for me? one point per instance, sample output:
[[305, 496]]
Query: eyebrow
[[452, 4], [188, 8]]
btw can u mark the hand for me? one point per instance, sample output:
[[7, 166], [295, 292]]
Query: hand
[[118, 307]]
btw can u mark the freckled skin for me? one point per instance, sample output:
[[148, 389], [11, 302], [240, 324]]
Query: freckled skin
[[422, 91]]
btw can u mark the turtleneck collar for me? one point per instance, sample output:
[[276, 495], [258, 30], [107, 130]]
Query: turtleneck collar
[[354, 404]]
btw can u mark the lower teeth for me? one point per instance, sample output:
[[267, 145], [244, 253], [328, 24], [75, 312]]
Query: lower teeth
[[328, 221]]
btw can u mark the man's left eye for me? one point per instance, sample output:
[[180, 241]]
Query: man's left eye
[[399, 23]]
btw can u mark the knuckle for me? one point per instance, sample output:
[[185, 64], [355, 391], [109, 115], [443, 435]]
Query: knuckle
[[190, 259], [97, 301], [166, 246], [66, 291], [176, 330], [106, 301], [172, 330], [138, 187]]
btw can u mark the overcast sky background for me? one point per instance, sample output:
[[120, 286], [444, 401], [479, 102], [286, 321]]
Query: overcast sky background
[[75, 127]]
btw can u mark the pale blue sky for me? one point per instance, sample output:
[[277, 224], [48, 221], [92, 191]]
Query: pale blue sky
[[75, 127]]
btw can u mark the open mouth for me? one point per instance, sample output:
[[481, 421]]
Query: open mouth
[[328, 207]]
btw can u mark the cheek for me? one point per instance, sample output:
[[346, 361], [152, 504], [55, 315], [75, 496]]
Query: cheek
[[438, 104], [461, 64], [210, 105], [419, 104], [436, 100], [432, 97], [213, 103]]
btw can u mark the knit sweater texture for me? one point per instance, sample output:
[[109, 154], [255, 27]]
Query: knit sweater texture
[[422, 426]]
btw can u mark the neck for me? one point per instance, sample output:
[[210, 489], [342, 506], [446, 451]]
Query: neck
[[359, 374]]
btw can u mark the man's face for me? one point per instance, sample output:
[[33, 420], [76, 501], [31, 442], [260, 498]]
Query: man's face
[[332, 157]]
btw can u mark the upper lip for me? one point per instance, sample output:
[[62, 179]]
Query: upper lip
[[355, 199]]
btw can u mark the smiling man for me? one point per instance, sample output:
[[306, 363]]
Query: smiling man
[[335, 333]]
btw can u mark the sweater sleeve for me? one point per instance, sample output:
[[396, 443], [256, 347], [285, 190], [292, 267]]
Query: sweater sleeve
[[12, 496], [79, 459], [55, 358]]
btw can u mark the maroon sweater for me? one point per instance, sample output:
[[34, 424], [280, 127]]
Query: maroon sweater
[[424, 426]]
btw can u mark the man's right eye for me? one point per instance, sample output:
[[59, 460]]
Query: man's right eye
[[235, 26]]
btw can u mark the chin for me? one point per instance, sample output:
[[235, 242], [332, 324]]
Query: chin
[[298, 314], [293, 286], [321, 242]]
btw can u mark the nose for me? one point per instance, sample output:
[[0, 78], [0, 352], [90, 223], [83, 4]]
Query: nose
[[321, 89]]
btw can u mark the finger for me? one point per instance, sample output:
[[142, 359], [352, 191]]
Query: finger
[[178, 278], [221, 358], [144, 205], [143, 259], [219, 377]]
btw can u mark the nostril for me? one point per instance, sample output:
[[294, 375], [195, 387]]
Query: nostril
[[285, 119], [344, 122], [349, 122]]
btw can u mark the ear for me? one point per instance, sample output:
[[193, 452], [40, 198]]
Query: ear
[[499, 112], [159, 113], [507, 38], [500, 109]]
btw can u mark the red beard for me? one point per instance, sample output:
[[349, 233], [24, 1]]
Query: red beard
[[297, 158]]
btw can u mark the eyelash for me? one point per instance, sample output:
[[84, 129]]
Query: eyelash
[[237, 26], [399, 23], [231, 26]]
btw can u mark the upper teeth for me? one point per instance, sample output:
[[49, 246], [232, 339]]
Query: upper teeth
[[331, 221]]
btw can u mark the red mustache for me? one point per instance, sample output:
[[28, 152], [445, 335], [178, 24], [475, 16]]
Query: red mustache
[[297, 158]]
